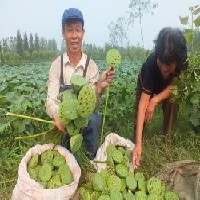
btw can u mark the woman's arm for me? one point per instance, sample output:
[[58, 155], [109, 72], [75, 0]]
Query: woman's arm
[[137, 151], [154, 101], [145, 113]]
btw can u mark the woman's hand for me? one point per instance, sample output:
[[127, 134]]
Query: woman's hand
[[136, 156], [150, 109]]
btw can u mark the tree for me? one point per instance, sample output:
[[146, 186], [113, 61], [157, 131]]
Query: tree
[[12, 44], [36, 43], [138, 8], [52, 45], [187, 91], [43, 43], [5, 47], [192, 27], [19, 46], [31, 43], [118, 32], [25, 43]]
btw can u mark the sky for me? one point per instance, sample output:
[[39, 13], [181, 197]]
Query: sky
[[44, 18]]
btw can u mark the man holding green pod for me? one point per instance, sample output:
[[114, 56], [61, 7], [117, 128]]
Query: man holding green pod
[[74, 61]]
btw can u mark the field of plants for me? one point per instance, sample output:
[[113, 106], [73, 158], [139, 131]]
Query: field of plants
[[23, 92]]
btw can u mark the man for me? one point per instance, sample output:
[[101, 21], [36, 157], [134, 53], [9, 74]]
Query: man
[[155, 82], [74, 61]]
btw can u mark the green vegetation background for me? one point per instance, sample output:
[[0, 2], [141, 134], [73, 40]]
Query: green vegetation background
[[23, 91]]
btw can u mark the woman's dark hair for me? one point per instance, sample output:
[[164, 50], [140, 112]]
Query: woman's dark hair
[[170, 46]]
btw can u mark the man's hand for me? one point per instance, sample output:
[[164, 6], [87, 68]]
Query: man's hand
[[106, 79], [59, 124], [136, 156]]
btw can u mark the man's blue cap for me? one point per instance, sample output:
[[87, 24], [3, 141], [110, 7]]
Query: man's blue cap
[[72, 14]]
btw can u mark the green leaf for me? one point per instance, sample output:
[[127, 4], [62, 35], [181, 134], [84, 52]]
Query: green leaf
[[195, 100], [4, 154], [189, 35], [196, 11], [14, 98], [184, 20], [197, 21], [3, 127], [18, 125], [3, 100]]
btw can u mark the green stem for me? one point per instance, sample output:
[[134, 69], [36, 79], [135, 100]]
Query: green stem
[[32, 118], [31, 136], [104, 115], [8, 181], [100, 161]]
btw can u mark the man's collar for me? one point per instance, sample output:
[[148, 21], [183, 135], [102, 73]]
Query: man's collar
[[80, 63]]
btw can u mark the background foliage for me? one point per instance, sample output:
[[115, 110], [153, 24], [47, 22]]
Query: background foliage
[[23, 87]]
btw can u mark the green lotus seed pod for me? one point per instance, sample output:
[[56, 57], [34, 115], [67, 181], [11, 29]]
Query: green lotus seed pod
[[76, 142], [170, 195], [81, 122], [113, 58], [86, 101], [77, 82], [68, 108], [154, 185], [72, 129]]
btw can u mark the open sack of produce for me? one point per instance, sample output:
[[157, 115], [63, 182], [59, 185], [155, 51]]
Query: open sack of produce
[[115, 140], [47, 172], [183, 177], [115, 179]]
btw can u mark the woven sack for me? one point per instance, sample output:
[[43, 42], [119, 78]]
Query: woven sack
[[183, 177]]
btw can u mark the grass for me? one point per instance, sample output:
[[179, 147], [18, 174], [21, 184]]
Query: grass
[[158, 150]]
